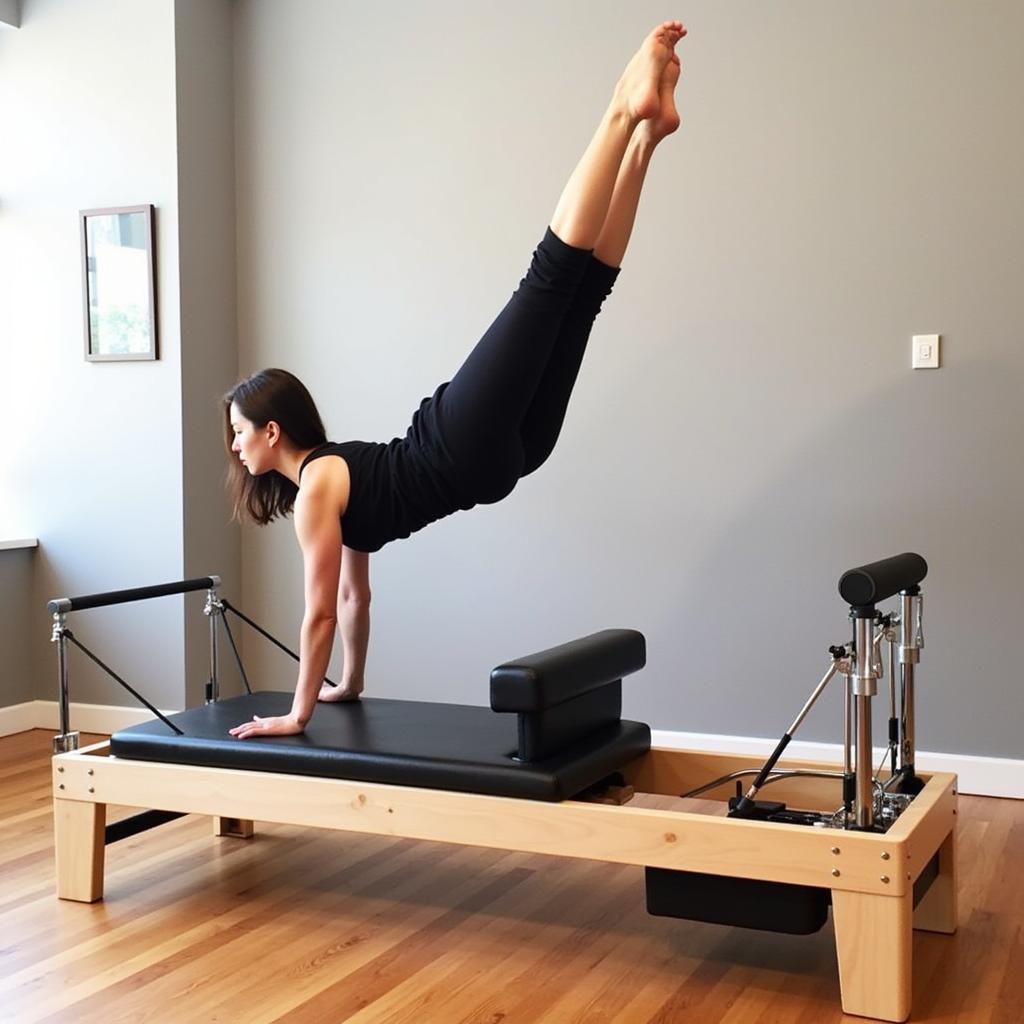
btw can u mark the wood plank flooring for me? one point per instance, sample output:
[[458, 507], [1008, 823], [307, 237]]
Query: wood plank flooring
[[304, 926]]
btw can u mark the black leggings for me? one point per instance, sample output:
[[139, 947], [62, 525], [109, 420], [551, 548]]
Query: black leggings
[[502, 412]]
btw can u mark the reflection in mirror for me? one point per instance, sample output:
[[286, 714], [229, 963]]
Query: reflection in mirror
[[119, 293]]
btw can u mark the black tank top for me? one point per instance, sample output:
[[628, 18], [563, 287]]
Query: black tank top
[[396, 488]]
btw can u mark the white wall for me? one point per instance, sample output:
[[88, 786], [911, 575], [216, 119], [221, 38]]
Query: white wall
[[88, 97], [746, 425], [104, 466]]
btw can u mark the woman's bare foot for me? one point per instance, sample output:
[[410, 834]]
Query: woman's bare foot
[[334, 694], [666, 121], [639, 88]]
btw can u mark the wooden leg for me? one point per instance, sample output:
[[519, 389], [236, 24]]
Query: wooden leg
[[937, 910], [873, 944], [239, 828], [79, 843]]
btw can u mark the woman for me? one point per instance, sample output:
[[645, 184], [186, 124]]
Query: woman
[[496, 421]]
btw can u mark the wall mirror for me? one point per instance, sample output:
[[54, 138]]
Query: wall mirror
[[119, 283]]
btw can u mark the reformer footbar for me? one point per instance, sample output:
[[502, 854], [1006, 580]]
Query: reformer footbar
[[215, 608]]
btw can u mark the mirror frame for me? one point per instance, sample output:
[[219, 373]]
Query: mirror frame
[[150, 222]]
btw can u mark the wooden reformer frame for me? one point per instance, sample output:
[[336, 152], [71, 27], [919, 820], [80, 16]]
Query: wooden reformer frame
[[871, 875]]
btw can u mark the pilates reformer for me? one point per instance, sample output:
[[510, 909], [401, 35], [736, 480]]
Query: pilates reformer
[[558, 779]]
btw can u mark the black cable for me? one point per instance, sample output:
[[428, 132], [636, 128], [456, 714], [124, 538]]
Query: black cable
[[263, 632], [234, 649], [113, 674]]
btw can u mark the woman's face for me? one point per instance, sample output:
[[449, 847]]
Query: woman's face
[[251, 443]]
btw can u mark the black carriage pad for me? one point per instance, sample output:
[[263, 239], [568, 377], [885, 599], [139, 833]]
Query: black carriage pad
[[405, 743]]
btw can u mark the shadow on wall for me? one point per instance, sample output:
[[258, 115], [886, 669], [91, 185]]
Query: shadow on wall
[[883, 485]]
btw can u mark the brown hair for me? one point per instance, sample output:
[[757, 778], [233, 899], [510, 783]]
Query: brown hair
[[270, 395]]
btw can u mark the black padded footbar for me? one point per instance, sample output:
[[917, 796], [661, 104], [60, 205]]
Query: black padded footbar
[[406, 743]]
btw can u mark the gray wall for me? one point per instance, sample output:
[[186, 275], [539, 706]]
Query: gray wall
[[746, 425], [209, 355], [16, 572], [10, 13]]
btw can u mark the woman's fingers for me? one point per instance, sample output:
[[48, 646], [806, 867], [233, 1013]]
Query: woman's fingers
[[247, 728], [283, 725]]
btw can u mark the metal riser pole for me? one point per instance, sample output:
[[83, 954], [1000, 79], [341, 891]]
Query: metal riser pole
[[865, 686], [67, 740]]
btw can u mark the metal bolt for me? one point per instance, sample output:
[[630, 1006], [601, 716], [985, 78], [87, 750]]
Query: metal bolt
[[885, 879], [835, 872], [885, 856], [835, 850]]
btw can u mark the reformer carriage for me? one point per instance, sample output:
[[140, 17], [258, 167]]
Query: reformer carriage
[[554, 772]]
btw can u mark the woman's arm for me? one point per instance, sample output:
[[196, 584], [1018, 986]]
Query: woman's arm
[[354, 618], [318, 528]]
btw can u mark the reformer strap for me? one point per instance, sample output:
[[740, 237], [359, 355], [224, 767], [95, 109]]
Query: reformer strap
[[138, 696], [277, 643]]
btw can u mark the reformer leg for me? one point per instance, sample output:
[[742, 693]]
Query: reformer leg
[[873, 946], [937, 910], [79, 844], [238, 828]]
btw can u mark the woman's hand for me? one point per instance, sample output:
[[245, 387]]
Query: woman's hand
[[285, 725]]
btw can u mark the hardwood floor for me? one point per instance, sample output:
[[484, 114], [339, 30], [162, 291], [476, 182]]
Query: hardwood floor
[[311, 926]]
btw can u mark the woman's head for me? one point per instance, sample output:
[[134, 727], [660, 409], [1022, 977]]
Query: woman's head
[[269, 410]]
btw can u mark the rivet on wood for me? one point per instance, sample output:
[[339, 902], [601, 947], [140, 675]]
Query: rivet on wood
[[885, 879], [835, 849], [91, 789], [670, 837], [885, 856], [61, 786], [835, 872], [61, 768], [90, 772]]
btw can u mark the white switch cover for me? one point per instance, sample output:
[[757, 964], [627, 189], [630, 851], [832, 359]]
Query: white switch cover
[[925, 352]]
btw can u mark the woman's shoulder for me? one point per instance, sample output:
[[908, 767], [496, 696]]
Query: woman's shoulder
[[326, 479]]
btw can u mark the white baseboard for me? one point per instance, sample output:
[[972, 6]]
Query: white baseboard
[[45, 714], [978, 776], [18, 718]]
